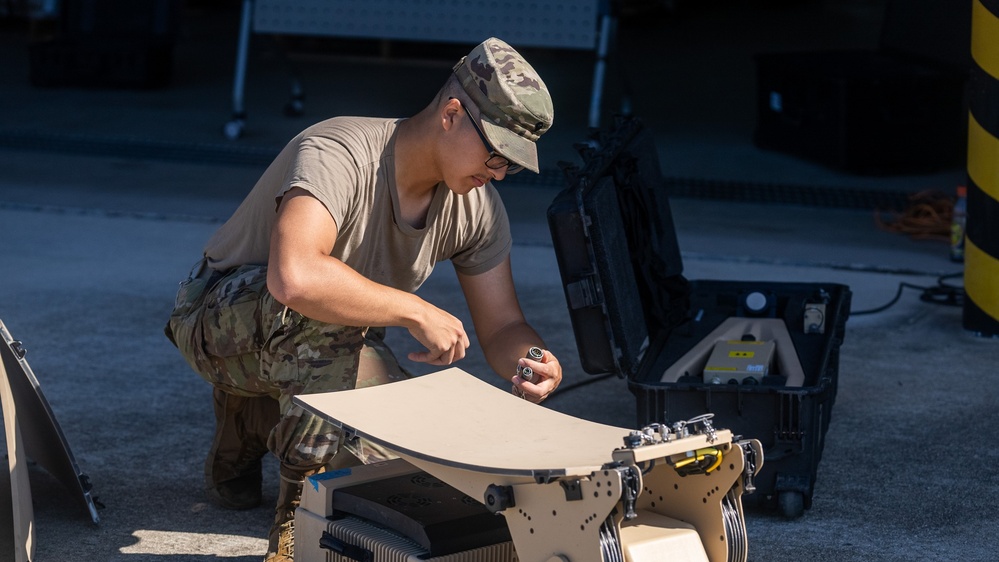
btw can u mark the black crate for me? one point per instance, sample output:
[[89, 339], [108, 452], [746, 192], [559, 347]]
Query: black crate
[[109, 44], [864, 112], [121, 19], [101, 63], [635, 315], [789, 410]]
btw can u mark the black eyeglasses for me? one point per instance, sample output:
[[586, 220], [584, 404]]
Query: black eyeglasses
[[496, 161]]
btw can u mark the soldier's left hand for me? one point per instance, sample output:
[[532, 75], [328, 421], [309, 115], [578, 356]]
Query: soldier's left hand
[[547, 374]]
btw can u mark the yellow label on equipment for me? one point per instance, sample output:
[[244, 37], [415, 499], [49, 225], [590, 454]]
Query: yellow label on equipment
[[736, 361]]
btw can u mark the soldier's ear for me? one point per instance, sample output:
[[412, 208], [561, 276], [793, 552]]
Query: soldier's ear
[[449, 113]]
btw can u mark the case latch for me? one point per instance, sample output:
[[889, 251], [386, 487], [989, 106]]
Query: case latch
[[583, 293]]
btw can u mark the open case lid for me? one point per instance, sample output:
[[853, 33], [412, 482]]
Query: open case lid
[[43, 439], [617, 251]]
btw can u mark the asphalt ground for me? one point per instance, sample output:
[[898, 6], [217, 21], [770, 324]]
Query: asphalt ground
[[98, 223], [906, 472]]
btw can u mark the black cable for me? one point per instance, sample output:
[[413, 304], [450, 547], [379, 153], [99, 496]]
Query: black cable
[[941, 293], [568, 388]]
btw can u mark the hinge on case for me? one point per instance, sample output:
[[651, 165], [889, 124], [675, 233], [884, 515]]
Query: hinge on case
[[18, 348]]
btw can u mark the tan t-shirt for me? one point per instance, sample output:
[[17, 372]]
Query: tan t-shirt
[[347, 163]]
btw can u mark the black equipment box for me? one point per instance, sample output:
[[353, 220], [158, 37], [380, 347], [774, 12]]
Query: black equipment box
[[897, 108], [789, 409], [101, 63], [635, 315], [864, 112], [108, 43]]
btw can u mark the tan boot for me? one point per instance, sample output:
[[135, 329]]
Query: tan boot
[[281, 538]]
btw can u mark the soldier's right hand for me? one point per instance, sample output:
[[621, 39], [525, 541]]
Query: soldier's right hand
[[442, 334]]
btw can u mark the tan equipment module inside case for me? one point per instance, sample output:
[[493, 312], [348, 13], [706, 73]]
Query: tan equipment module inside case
[[472, 485], [739, 362]]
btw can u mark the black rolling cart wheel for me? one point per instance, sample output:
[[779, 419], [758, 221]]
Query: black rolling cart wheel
[[791, 504]]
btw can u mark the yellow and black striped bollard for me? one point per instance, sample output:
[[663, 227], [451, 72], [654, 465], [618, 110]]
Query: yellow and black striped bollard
[[981, 253]]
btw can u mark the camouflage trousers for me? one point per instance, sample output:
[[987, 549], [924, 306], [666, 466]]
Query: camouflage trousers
[[235, 335]]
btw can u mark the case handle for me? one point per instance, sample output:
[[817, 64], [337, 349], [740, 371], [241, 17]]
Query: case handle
[[329, 542], [583, 293]]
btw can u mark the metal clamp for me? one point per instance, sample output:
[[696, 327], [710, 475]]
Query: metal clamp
[[749, 453]]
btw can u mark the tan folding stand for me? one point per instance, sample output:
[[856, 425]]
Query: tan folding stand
[[17, 517], [31, 432], [569, 489]]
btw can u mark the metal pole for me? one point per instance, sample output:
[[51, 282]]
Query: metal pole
[[981, 253], [234, 128], [599, 69]]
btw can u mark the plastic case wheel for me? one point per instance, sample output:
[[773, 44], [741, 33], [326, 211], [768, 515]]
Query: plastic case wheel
[[791, 504]]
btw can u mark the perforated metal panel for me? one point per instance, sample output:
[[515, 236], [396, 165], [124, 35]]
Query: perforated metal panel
[[538, 23]]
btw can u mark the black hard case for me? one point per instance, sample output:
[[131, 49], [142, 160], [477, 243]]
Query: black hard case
[[790, 421], [635, 315]]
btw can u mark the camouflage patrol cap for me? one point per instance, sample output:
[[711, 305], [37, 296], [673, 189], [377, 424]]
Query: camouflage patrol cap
[[514, 105]]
